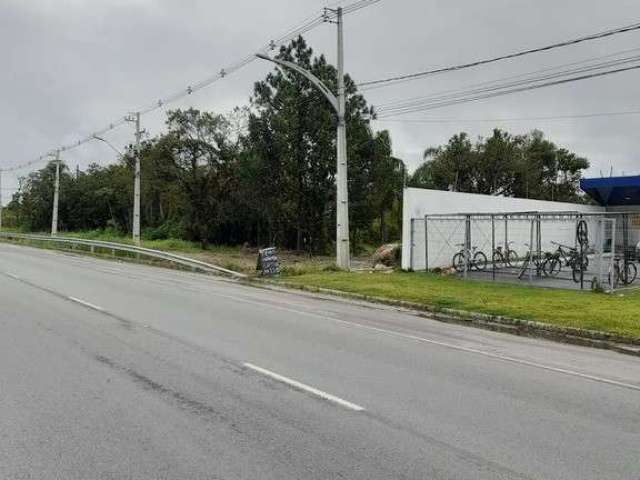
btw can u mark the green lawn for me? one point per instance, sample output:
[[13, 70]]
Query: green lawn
[[618, 314]]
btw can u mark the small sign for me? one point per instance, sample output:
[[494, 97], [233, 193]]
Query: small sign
[[268, 262]]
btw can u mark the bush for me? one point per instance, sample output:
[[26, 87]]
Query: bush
[[170, 229]]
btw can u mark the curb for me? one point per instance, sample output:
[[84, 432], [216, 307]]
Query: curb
[[496, 323]]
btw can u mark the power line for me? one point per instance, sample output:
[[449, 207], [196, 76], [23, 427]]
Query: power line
[[497, 85], [512, 119], [325, 15], [531, 75], [575, 41], [558, 71], [435, 105]]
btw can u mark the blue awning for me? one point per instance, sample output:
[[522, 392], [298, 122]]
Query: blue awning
[[613, 191]]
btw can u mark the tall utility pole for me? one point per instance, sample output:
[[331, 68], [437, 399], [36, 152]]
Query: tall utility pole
[[343, 257], [56, 191], [136, 181]]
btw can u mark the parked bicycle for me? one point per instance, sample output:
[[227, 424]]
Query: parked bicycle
[[619, 275], [532, 260], [477, 259], [565, 256], [505, 256]]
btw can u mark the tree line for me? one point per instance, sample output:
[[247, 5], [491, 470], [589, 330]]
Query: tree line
[[264, 174], [524, 166]]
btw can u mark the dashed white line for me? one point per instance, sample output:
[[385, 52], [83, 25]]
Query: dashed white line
[[306, 388], [86, 304], [475, 351]]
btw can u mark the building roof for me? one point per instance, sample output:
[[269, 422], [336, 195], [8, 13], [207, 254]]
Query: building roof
[[613, 191]]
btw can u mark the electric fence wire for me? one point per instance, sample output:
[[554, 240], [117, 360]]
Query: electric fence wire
[[326, 15]]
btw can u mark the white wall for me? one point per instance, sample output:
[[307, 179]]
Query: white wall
[[418, 202], [634, 223]]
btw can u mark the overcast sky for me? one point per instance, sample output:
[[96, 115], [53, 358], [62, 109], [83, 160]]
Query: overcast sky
[[72, 66]]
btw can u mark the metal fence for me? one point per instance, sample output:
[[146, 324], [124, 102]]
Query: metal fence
[[123, 250], [549, 249]]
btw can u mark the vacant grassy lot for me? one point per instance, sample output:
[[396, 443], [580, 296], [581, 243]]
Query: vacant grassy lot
[[618, 314]]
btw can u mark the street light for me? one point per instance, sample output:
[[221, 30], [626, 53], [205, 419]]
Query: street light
[[104, 140], [56, 194], [135, 117], [343, 256]]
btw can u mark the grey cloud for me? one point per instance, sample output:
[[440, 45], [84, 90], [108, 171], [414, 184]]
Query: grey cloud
[[71, 66]]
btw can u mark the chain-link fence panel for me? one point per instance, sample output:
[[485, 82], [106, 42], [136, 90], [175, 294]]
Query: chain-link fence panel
[[548, 249]]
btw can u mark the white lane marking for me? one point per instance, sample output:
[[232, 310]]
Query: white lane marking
[[384, 331], [86, 304], [301, 386], [495, 356]]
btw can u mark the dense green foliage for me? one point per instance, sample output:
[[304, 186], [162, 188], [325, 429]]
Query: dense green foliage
[[525, 166], [265, 174]]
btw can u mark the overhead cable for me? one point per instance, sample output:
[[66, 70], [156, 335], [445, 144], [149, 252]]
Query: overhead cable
[[476, 63], [325, 15]]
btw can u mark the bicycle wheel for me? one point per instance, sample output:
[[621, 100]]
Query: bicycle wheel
[[525, 265], [630, 274], [582, 234], [551, 267], [498, 260], [458, 262], [576, 274], [479, 261], [512, 258], [585, 263]]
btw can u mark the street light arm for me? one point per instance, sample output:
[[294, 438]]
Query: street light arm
[[308, 75], [104, 140]]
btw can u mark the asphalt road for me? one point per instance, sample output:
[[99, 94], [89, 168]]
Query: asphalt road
[[119, 371]]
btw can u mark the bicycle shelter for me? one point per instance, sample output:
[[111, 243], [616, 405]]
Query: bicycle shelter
[[571, 250], [547, 244]]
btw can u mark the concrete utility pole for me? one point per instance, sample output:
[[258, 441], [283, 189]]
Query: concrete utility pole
[[56, 191], [342, 209], [136, 180], [343, 256]]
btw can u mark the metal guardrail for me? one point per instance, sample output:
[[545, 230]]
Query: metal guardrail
[[121, 247]]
